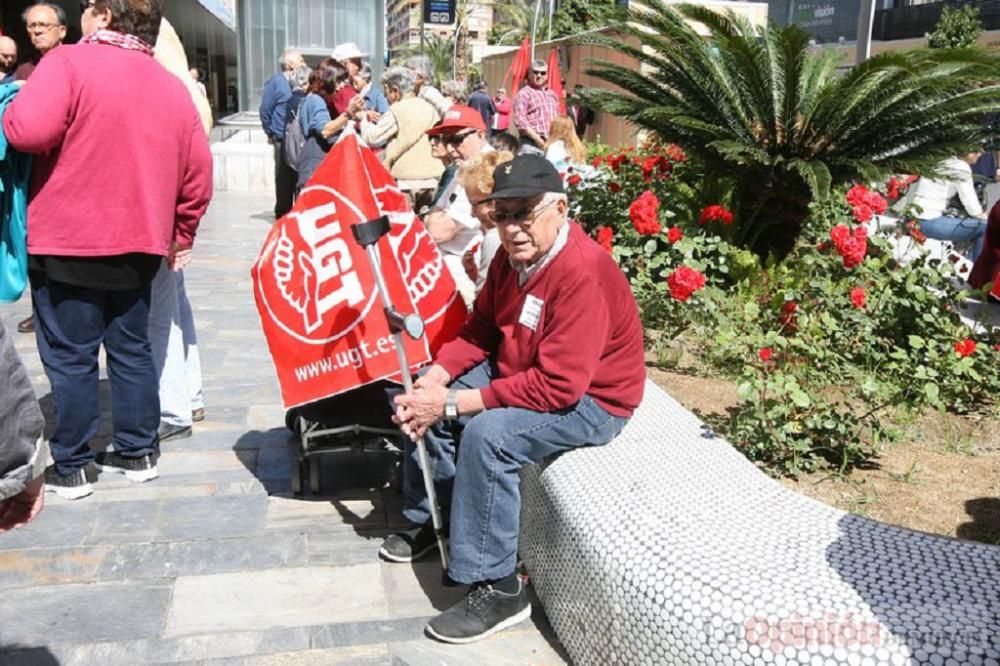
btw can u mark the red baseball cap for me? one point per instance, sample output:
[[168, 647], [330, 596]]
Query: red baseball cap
[[458, 117]]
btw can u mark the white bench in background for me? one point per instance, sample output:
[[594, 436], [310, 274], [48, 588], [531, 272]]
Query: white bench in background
[[667, 546]]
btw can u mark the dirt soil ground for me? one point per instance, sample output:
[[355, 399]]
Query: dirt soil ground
[[942, 476]]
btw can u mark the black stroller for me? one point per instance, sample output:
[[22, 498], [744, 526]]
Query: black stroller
[[356, 421]]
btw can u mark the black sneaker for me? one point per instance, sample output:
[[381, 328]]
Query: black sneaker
[[170, 431], [72, 486], [484, 611], [138, 470], [409, 546]]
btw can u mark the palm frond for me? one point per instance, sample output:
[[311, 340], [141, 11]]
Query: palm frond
[[782, 125]]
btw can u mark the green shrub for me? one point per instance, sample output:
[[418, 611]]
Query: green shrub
[[822, 345]]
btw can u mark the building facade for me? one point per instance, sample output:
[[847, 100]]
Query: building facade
[[898, 24], [265, 28], [405, 17]]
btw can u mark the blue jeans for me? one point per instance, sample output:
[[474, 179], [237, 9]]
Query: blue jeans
[[71, 323], [475, 471], [957, 230]]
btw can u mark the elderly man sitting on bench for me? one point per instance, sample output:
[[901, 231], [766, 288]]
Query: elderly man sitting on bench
[[550, 360]]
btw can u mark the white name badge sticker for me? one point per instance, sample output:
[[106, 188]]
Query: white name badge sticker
[[531, 313]]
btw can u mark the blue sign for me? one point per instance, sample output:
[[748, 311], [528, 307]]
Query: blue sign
[[439, 12]]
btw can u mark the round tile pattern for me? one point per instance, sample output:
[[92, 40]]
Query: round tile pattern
[[667, 546]]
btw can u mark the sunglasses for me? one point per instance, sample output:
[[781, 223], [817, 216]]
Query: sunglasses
[[85, 5], [539, 73], [457, 139]]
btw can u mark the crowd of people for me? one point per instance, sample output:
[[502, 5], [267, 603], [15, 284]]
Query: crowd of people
[[423, 134]]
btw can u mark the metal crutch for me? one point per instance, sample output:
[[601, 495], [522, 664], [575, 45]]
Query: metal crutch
[[367, 234]]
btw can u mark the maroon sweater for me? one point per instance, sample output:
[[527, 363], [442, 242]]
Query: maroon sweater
[[587, 337], [122, 163]]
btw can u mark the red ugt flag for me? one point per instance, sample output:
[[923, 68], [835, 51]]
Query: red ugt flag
[[315, 292]]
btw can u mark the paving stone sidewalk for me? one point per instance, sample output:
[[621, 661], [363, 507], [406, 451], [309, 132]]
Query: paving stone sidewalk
[[216, 562]]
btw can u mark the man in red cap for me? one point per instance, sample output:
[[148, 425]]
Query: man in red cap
[[451, 222]]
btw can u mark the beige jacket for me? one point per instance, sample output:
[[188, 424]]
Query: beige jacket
[[408, 153], [169, 52]]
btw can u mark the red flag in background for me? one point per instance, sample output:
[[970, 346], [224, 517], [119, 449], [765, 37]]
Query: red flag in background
[[316, 294], [555, 80], [519, 67]]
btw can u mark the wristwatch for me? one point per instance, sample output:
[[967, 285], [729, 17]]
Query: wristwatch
[[451, 405]]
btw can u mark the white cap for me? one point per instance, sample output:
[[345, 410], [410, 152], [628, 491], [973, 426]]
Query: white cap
[[347, 51]]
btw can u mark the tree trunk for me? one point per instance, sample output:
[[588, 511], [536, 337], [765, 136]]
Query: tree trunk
[[773, 217], [462, 46]]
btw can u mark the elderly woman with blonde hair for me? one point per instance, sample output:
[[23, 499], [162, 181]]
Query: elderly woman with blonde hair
[[477, 179]]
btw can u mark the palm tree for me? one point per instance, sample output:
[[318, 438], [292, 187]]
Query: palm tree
[[439, 49], [779, 126], [512, 21]]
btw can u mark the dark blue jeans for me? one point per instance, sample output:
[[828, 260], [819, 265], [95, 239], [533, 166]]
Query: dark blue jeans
[[475, 470], [71, 323]]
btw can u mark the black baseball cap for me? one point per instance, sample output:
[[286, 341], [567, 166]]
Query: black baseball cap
[[525, 176]]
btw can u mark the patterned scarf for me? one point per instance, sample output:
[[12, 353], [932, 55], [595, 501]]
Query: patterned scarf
[[119, 39]]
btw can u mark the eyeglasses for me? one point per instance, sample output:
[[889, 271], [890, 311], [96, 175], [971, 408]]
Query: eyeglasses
[[457, 139], [41, 27], [524, 217], [540, 73], [85, 5]]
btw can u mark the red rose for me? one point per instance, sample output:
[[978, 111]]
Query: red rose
[[644, 213], [839, 234], [857, 195], [896, 187], [573, 180], [862, 212], [853, 252], [878, 203], [996, 348], [674, 234], [765, 354], [648, 166], [864, 203], [597, 161], [787, 316], [893, 188], [715, 213], [614, 188], [674, 153], [852, 247], [858, 297], [683, 282], [915, 233], [965, 347], [604, 236]]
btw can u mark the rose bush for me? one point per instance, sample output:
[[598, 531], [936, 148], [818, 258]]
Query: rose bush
[[825, 346]]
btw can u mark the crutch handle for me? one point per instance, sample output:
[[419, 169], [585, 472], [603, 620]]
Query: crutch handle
[[368, 233]]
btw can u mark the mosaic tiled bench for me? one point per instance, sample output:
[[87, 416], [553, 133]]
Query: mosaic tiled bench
[[668, 547]]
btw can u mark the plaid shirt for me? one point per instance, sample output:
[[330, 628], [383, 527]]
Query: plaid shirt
[[534, 108]]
